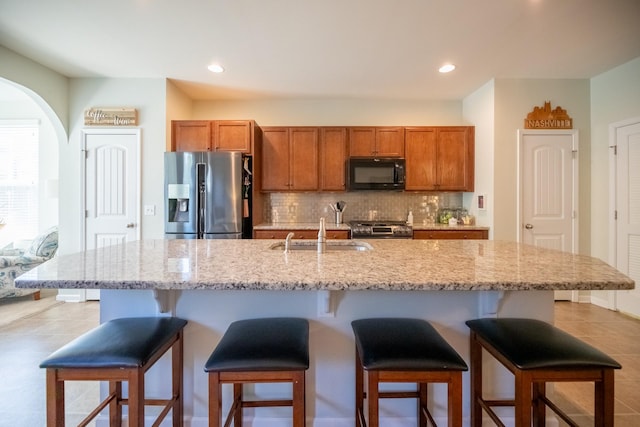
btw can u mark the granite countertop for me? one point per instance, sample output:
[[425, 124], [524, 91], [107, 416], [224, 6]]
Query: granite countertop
[[460, 265], [301, 226], [345, 226]]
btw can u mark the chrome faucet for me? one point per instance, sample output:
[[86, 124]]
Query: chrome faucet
[[287, 242]]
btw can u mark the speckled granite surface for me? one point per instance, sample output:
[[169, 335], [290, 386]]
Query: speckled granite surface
[[332, 226], [391, 265]]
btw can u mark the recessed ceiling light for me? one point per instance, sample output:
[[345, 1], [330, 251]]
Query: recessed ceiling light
[[215, 68], [447, 68]]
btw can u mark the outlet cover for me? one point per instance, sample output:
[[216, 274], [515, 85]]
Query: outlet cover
[[149, 210]]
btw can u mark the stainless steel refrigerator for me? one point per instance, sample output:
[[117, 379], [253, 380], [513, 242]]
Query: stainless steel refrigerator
[[203, 195]]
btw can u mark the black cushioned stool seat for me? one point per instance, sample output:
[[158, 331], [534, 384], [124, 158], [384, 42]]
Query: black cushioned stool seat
[[265, 350], [116, 351], [536, 353], [401, 350]]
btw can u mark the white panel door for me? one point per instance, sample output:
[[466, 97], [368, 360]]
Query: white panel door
[[628, 214], [548, 191], [111, 177]]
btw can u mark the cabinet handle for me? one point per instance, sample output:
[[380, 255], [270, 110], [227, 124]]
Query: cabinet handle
[[528, 226]]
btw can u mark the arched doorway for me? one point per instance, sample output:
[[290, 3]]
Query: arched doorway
[[19, 108]]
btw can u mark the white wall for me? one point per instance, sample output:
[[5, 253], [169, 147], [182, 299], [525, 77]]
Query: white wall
[[514, 99], [46, 87], [148, 97], [478, 108], [615, 96]]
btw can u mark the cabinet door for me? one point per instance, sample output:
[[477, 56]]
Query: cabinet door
[[275, 159], [333, 156], [362, 142], [232, 135], [191, 135], [303, 164], [455, 159], [450, 234], [421, 154], [389, 142]]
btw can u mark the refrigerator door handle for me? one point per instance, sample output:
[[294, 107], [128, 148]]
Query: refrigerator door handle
[[201, 176]]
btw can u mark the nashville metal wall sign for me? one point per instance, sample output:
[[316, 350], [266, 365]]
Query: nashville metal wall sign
[[546, 118], [111, 117]]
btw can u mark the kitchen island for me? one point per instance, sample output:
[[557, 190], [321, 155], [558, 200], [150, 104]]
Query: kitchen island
[[214, 282]]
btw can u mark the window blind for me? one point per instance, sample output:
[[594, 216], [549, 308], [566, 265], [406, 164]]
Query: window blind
[[18, 181]]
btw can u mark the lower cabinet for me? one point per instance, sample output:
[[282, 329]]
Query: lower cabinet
[[299, 234], [450, 234]]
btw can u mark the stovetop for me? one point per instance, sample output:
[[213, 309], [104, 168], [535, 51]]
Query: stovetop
[[381, 229]]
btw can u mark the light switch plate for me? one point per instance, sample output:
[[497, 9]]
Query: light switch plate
[[149, 210]]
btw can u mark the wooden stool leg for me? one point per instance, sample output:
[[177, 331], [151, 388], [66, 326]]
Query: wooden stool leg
[[215, 400], [423, 398], [299, 400], [177, 379], [539, 408], [373, 399], [454, 404], [136, 398], [604, 399], [115, 407], [55, 399], [523, 398], [359, 390], [476, 380], [237, 398]]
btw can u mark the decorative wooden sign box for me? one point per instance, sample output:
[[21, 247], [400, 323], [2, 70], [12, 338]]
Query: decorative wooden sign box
[[546, 118], [111, 117]]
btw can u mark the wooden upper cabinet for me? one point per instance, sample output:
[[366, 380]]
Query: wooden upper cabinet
[[289, 159], [456, 153], [275, 159], [376, 142], [232, 135], [191, 135], [440, 158], [421, 153], [212, 135], [304, 158], [333, 157]]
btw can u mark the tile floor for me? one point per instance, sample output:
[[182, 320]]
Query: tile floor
[[25, 342]]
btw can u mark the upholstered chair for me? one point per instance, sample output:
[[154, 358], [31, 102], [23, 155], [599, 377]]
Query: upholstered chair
[[14, 262]]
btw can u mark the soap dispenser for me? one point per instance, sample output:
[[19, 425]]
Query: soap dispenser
[[410, 218], [322, 237]]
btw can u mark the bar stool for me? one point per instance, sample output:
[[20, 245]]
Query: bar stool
[[536, 353], [116, 351], [398, 350], [267, 350]]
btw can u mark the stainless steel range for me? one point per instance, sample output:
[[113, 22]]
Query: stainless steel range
[[380, 230]]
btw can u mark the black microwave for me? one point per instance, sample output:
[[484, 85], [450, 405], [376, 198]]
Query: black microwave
[[368, 173]]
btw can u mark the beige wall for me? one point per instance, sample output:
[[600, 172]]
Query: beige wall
[[46, 87], [334, 112], [479, 109], [514, 98], [615, 96], [148, 96]]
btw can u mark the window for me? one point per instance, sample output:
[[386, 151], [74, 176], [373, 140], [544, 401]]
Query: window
[[18, 180]]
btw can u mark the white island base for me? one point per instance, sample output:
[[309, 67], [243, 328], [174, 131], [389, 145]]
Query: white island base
[[330, 398]]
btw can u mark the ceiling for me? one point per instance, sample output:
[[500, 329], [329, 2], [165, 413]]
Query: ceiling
[[367, 49]]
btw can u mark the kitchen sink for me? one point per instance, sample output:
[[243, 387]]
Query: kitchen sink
[[332, 245]]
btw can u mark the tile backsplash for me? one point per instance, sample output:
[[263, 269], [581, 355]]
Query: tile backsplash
[[363, 205]]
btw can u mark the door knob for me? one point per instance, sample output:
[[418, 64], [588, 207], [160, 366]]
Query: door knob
[[528, 226], [131, 225]]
